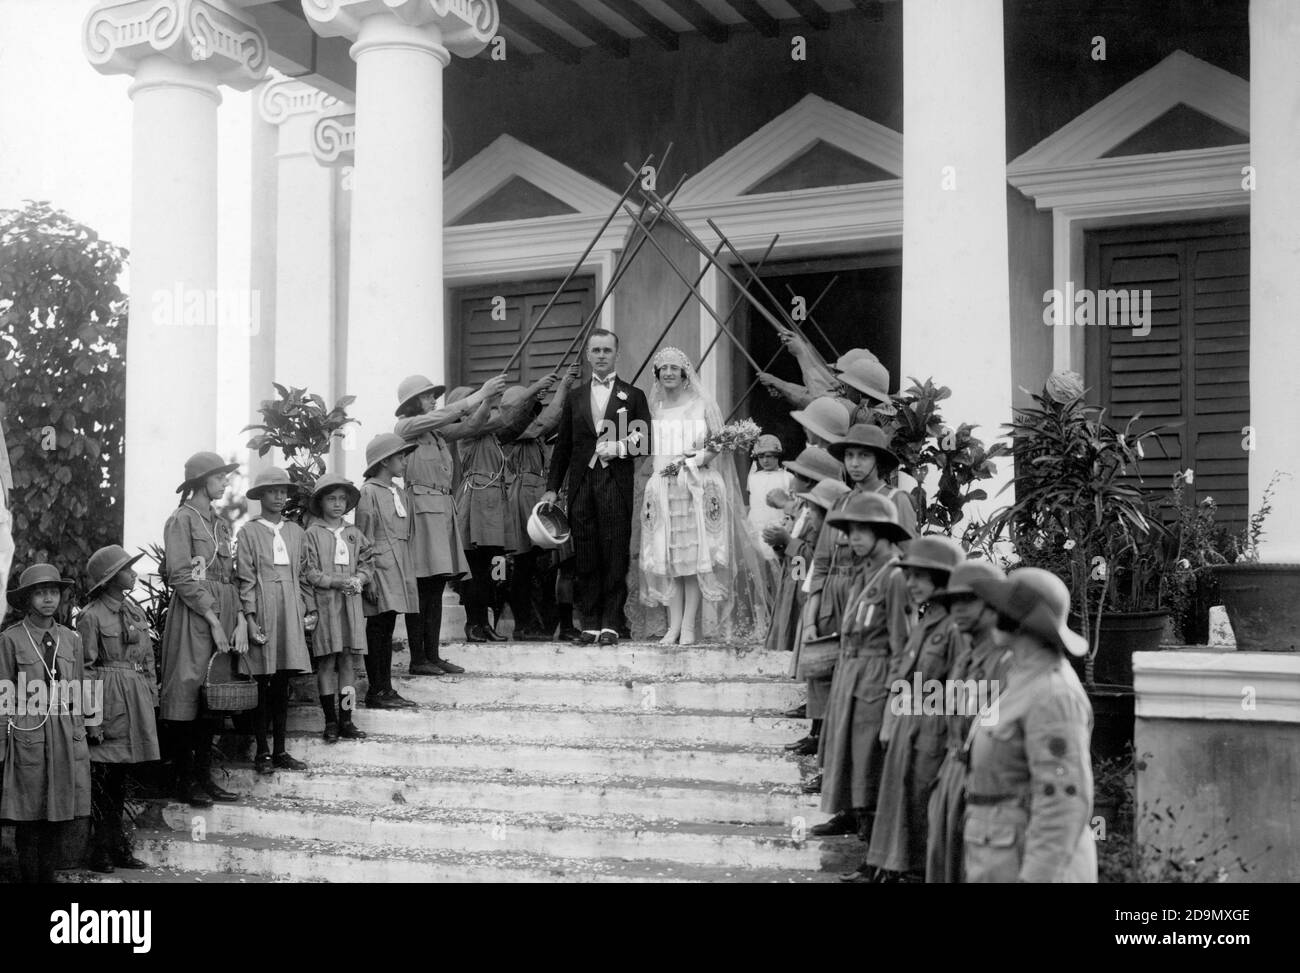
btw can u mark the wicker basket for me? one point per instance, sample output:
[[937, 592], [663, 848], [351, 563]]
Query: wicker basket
[[817, 657], [236, 696]]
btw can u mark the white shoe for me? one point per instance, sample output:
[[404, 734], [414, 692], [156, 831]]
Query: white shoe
[[687, 637], [670, 638]]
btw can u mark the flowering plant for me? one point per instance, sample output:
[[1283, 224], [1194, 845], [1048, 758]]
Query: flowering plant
[[740, 435]]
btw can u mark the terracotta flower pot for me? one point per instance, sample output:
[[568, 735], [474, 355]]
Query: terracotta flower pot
[[1122, 634], [1263, 604]]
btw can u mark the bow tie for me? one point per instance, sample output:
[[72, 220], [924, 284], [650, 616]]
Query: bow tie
[[603, 382]]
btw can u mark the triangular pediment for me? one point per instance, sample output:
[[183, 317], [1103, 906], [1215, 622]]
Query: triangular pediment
[[815, 143], [509, 180], [1182, 97]]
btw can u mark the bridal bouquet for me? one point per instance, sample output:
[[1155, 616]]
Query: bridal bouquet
[[733, 436]]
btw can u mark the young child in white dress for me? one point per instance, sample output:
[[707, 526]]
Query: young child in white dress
[[766, 475]]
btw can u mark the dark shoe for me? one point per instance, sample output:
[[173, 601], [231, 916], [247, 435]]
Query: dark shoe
[[288, 762], [803, 748], [380, 701], [102, 863], [846, 822], [194, 796], [349, 731], [475, 633], [331, 734], [450, 668], [263, 764], [800, 712], [125, 859], [586, 638], [493, 635], [608, 638], [864, 874], [813, 786], [426, 669], [399, 702], [566, 635]]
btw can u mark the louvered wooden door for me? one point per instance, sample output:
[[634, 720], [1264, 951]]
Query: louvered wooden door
[[493, 319], [1193, 367]]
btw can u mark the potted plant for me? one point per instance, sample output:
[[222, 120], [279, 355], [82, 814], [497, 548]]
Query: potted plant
[[1202, 544], [1078, 513], [1260, 597]]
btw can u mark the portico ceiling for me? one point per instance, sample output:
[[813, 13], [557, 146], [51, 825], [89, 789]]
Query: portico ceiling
[[565, 29]]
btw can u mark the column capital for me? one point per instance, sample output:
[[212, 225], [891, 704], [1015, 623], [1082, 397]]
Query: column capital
[[464, 26], [118, 35], [333, 139], [283, 98]]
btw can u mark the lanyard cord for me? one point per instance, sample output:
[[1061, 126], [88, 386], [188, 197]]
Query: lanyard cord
[[211, 531], [58, 640]]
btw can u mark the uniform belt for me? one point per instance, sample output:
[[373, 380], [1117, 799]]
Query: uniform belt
[[421, 489], [988, 799], [120, 664], [864, 653]]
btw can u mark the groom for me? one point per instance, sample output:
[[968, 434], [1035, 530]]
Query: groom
[[604, 427]]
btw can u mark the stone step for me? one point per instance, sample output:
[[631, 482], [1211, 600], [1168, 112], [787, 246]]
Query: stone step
[[157, 875], [291, 860], [566, 726], [653, 800], [603, 693], [560, 836], [627, 659], [647, 758]]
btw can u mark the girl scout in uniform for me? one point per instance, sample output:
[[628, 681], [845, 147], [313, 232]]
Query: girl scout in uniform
[[981, 665], [1029, 788], [382, 516], [914, 738], [338, 565], [114, 634], [268, 563], [873, 628], [203, 618], [44, 763], [437, 548]]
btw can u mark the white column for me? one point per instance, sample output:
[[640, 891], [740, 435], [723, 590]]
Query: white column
[[304, 242], [179, 52], [956, 301], [396, 301], [1274, 259]]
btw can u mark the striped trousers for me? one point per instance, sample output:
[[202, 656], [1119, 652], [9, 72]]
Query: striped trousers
[[600, 516]]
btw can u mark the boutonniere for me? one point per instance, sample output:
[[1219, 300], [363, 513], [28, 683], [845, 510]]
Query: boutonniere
[[621, 394]]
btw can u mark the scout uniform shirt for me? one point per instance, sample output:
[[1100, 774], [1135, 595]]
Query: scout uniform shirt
[[200, 566], [268, 564], [795, 562], [44, 759], [115, 637], [336, 555], [832, 541], [382, 516], [1029, 788], [526, 469], [481, 511]]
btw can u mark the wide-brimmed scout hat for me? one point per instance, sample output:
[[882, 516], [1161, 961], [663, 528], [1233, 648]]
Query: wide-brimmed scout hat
[[815, 464], [852, 355], [200, 466], [458, 393], [934, 553], [268, 479], [105, 563], [964, 574], [548, 526], [873, 510], [866, 436], [867, 376], [767, 444], [34, 577], [1039, 602], [384, 445], [414, 386], [826, 416], [825, 493], [333, 481]]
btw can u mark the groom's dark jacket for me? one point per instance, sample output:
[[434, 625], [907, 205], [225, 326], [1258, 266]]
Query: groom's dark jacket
[[626, 414]]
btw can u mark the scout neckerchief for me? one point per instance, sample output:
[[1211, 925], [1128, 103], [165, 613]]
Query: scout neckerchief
[[397, 500], [340, 545], [279, 550]]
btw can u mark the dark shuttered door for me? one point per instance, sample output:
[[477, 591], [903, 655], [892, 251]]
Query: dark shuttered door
[[488, 339], [1193, 366]]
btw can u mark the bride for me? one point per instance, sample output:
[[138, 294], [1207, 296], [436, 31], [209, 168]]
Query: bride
[[698, 554]]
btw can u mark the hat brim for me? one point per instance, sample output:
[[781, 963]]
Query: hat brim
[[880, 395], [216, 471], [354, 497], [948, 594], [808, 473], [18, 596], [407, 448], [438, 390], [801, 416], [110, 575], [255, 493], [925, 563], [811, 497], [997, 594], [891, 532], [885, 459]]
